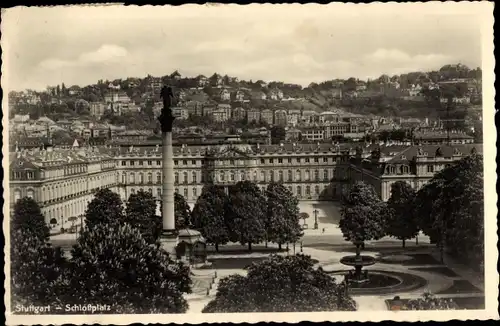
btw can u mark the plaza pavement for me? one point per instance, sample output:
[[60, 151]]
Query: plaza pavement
[[329, 260]]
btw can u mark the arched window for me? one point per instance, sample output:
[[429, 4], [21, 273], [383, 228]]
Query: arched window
[[185, 177], [299, 191], [222, 176], [150, 191], [158, 192], [176, 175], [308, 190], [280, 175], [242, 176], [290, 175], [316, 175], [194, 177], [124, 178], [141, 177], [271, 175], [150, 177], [186, 193], [17, 195], [325, 175], [316, 190], [132, 177], [232, 176], [297, 175], [308, 175], [158, 177], [254, 175], [262, 176]]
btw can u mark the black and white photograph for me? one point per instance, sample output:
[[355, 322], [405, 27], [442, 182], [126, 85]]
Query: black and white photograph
[[185, 163]]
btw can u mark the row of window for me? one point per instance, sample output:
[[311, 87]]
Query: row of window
[[232, 162], [233, 176]]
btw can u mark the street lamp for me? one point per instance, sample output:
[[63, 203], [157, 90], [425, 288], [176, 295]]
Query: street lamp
[[315, 219]]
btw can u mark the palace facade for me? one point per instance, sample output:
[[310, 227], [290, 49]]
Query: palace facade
[[63, 181]]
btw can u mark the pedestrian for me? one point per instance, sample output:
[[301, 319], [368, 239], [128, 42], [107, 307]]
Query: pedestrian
[[323, 230]]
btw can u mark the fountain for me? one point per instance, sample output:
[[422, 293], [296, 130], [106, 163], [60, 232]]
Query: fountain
[[377, 281], [358, 262]]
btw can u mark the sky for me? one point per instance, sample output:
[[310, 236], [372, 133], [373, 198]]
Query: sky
[[290, 43]]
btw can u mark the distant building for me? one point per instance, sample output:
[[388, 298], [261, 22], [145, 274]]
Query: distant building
[[313, 133], [97, 109], [221, 114], [239, 113], [225, 95], [434, 138], [180, 112], [267, 116], [253, 115], [280, 117]]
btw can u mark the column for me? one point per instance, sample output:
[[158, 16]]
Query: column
[[168, 214]]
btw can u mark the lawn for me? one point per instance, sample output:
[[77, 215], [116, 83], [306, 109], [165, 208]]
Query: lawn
[[461, 286], [445, 271]]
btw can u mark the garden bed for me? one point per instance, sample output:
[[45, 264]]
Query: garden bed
[[468, 303]]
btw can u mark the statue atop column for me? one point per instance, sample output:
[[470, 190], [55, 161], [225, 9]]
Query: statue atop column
[[166, 117]]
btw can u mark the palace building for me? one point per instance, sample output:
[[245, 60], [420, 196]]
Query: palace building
[[63, 181]]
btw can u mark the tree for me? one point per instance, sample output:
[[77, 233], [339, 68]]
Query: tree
[[209, 215], [278, 134], [246, 214], [450, 209], [304, 216], [282, 223], [36, 268], [182, 212], [401, 223], [106, 207], [281, 284], [28, 218], [141, 214], [114, 265], [362, 215]]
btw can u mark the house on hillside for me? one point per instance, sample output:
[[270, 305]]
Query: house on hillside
[[258, 95], [253, 115], [280, 117], [240, 96], [176, 75], [225, 95], [267, 116], [221, 114], [97, 109], [276, 94], [202, 81], [239, 113], [180, 112], [361, 86], [75, 90], [415, 90]]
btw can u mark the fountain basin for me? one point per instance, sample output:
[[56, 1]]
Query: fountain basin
[[382, 282], [360, 260]]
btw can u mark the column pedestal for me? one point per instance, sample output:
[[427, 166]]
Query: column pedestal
[[168, 241]]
